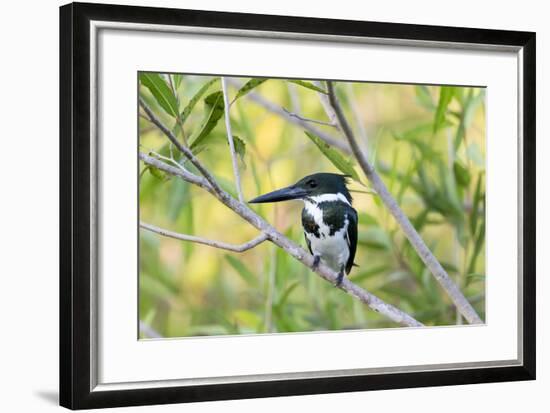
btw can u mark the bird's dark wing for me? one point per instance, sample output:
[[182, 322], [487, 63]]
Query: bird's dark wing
[[351, 237]]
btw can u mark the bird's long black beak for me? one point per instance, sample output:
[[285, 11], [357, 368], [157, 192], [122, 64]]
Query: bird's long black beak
[[284, 194]]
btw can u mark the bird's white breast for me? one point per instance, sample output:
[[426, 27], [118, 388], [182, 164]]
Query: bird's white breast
[[333, 249]]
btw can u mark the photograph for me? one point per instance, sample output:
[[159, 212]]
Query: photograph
[[272, 205]]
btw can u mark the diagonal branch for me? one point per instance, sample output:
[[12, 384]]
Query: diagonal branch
[[184, 150], [289, 246], [414, 238], [226, 107], [211, 243]]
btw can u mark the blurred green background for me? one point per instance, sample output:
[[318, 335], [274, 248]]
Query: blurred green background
[[428, 142]]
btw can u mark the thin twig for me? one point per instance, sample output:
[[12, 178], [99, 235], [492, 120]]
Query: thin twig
[[167, 159], [211, 243], [230, 140], [273, 108], [318, 122], [323, 97], [416, 241], [378, 305], [149, 331], [186, 175]]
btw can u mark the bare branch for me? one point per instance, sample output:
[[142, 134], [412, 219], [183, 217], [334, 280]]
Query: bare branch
[[325, 103], [230, 140], [289, 246], [416, 241], [211, 243]]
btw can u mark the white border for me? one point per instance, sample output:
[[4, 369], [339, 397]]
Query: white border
[[112, 350]]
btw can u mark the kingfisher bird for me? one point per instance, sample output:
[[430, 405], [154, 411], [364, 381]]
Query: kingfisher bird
[[328, 218]]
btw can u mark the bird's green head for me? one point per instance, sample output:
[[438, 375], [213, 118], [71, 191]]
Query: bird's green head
[[311, 186]]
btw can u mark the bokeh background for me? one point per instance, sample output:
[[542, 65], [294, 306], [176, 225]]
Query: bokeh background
[[428, 143]]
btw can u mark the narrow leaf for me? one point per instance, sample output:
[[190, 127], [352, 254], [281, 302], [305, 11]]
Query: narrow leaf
[[247, 87], [284, 297], [213, 104], [424, 97], [161, 91], [194, 100], [371, 272], [241, 269], [338, 160], [375, 238], [367, 219], [462, 175], [177, 80], [480, 240], [445, 96], [307, 85], [240, 147], [474, 214]]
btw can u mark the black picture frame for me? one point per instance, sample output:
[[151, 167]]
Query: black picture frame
[[75, 219]]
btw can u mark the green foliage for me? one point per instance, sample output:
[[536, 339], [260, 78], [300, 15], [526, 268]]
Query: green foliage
[[248, 86], [445, 95], [428, 143], [214, 108], [161, 91], [195, 99], [344, 164], [308, 85]]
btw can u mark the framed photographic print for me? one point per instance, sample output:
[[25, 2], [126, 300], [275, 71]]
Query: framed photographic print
[[258, 206]]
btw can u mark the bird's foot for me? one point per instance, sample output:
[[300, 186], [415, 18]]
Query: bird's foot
[[339, 279], [316, 261]]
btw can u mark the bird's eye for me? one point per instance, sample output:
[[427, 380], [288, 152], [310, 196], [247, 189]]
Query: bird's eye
[[311, 183]]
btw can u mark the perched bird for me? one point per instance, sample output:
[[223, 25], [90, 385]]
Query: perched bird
[[329, 220]]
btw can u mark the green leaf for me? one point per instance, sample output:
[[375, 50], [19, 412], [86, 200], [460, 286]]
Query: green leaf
[[157, 173], [375, 238], [367, 219], [218, 138], [214, 107], [474, 214], [474, 277], [284, 296], [424, 97], [194, 100], [161, 91], [241, 269], [345, 165], [371, 272], [307, 85], [247, 87], [449, 267], [419, 138], [177, 80], [480, 240], [473, 104], [462, 175], [240, 147], [177, 199], [445, 95]]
